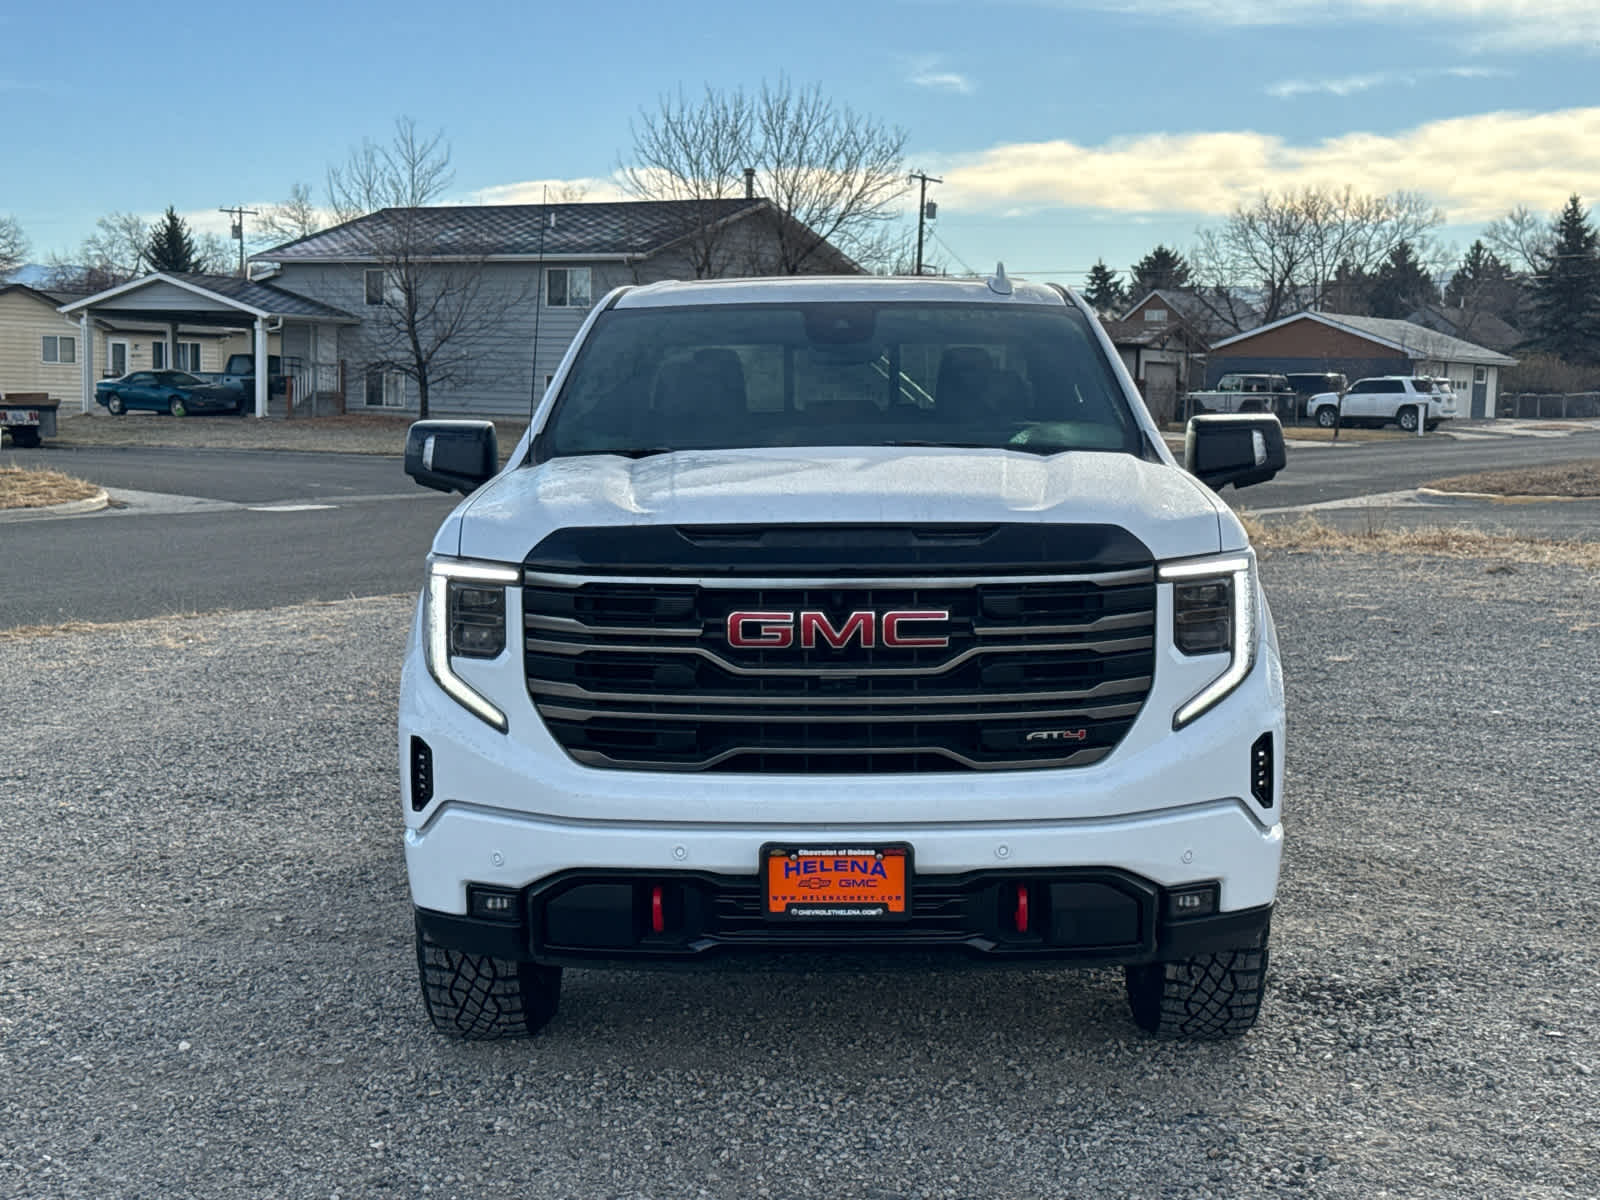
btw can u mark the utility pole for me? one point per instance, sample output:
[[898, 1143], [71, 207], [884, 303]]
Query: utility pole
[[922, 209], [239, 213]]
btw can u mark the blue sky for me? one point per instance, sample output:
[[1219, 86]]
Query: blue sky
[[1067, 130]]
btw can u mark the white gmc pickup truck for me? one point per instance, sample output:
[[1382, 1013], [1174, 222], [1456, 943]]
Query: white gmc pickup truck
[[826, 614]]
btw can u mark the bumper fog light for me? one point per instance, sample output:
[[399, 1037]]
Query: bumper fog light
[[492, 904], [1198, 901]]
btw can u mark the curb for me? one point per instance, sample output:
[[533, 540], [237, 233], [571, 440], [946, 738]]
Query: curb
[[69, 509], [1499, 498]]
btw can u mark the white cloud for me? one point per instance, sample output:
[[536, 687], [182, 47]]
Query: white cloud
[[1349, 85], [928, 71], [537, 191], [1475, 168], [1483, 25]]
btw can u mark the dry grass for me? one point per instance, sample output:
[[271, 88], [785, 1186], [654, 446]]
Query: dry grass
[[1580, 478], [24, 488], [1437, 541], [352, 433]]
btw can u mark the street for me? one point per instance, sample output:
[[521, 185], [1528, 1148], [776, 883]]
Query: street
[[203, 530]]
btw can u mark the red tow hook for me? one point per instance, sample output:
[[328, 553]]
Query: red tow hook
[[658, 916], [1021, 914]]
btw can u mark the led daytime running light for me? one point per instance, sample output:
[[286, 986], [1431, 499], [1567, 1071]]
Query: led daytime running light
[[1242, 653], [436, 630]]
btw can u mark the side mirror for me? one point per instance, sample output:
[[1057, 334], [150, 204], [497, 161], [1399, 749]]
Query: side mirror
[[1236, 448], [452, 456]]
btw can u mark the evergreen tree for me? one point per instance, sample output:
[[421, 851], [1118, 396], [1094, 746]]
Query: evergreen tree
[[1401, 285], [1349, 291], [1565, 298], [1484, 284], [1104, 289], [1161, 268], [171, 247]]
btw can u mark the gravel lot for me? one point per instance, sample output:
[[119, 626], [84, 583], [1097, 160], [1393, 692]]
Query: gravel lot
[[206, 986]]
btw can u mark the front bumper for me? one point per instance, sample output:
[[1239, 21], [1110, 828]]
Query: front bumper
[[1119, 872], [1084, 916]]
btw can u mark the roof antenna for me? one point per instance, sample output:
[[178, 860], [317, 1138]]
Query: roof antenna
[[998, 283]]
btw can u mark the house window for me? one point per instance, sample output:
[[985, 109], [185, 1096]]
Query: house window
[[188, 356], [374, 286], [60, 349], [566, 287], [1480, 374], [1156, 316], [385, 389]]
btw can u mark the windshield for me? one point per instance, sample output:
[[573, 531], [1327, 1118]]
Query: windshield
[[652, 380]]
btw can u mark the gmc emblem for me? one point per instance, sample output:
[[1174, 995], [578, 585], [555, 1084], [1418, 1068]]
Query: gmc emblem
[[776, 630]]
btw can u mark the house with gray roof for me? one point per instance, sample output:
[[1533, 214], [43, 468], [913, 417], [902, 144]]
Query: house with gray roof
[[477, 304], [194, 322], [1363, 346]]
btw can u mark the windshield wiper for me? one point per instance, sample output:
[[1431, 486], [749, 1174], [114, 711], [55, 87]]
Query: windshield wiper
[[1023, 447], [623, 452]]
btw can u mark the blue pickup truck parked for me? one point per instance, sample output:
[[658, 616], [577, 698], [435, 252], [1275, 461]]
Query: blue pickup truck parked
[[240, 375]]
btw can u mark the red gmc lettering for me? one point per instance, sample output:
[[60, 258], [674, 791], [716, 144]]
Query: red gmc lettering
[[777, 629], [893, 621], [773, 629], [813, 624]]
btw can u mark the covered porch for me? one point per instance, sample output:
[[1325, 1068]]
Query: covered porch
[[224, 303]]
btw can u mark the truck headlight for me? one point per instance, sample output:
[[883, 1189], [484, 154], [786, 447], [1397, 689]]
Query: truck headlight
[[1214, 612], [464, 616]]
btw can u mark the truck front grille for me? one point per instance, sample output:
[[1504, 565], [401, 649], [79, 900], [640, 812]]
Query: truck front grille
[[1040, 671]]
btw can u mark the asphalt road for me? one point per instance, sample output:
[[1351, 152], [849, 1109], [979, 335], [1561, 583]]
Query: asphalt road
[[233, 476], [207, 986], [216, 529], [1337, 472], [190, 538]]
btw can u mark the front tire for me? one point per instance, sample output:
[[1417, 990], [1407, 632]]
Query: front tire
[[478, 998], [1205, 998], [115, 406], [1327, 416], [176, 407]]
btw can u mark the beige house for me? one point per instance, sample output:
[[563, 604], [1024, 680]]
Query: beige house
[[41, 350]]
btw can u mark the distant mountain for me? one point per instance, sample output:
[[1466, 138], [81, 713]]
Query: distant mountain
[[31, 274]]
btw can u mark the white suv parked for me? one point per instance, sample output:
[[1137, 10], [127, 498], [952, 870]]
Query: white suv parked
[[1382, 399], [843, 615]]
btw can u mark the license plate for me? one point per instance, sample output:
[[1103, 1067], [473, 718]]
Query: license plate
[[851, 883]]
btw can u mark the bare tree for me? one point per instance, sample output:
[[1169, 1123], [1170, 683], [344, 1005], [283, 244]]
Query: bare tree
[[695, 154], [835, 174], [1522, 238], [1287, 251], [13, 246], [213, 255], [295, 218], [831, 175], [114, 253], [439, 309]]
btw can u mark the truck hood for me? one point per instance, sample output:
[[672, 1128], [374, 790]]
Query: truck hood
[[1167, 509]]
